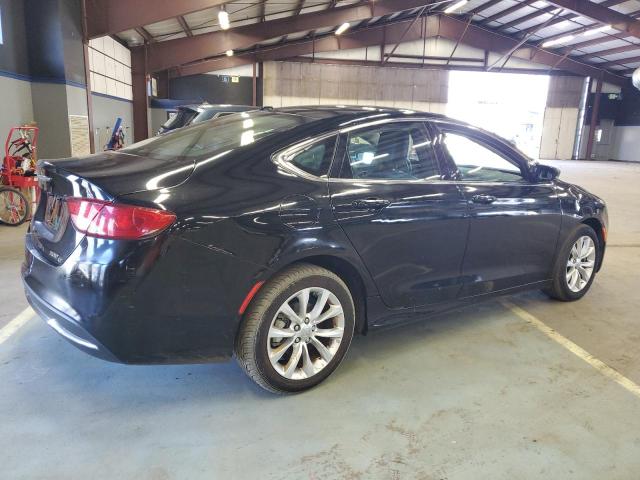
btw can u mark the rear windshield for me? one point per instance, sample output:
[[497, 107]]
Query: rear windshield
[[205, 140]]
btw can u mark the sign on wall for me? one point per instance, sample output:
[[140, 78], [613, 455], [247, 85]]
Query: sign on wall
[[79, 131]]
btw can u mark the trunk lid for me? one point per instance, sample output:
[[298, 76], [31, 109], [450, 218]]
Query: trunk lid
[[120, 173], [104, 176]]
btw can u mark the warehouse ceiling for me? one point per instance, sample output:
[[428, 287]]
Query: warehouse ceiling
[[600, 39]]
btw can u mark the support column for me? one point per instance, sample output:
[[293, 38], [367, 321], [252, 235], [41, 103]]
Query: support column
[[59, 91], [139, 79], [87, 77], [255, 86], [595, 112]]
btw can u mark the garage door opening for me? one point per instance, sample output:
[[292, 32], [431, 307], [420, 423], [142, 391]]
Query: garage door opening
[[511, 105]]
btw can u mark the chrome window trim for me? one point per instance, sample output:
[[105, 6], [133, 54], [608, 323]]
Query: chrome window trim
[[283, 157], [382, 122]]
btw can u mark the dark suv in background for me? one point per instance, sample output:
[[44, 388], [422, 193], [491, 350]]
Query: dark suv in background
[[192, 114]]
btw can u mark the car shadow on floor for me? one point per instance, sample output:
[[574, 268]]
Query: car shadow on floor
[[44, 360]]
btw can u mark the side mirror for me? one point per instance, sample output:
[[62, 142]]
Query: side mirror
[[544, 173]]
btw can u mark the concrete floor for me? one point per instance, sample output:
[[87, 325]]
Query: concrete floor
[[472, 395]]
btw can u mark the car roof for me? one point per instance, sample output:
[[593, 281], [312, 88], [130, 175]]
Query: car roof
[[351, 111], [336, 117], [217, 107]]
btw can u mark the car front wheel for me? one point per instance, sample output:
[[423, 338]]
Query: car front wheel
[[575, 267], [297, 329]]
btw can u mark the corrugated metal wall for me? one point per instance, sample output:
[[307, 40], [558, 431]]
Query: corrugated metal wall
[[295, 83]]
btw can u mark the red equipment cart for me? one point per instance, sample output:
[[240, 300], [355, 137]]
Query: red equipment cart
[[18, 175]]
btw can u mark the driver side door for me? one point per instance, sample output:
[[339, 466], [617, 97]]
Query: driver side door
[[408, 224], [514, 220]]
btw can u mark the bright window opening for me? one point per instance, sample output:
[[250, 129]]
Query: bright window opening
[[508, 104]]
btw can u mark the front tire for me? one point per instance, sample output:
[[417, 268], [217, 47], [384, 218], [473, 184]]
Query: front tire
[[576, 264], [297, 329]]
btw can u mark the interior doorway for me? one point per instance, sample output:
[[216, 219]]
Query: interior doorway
[[511, 105]]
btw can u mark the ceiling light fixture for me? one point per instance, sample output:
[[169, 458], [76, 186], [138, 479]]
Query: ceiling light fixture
[[593, 31], [229, 53], [565, 39], [342, 28], [456, 6], [223, 19]]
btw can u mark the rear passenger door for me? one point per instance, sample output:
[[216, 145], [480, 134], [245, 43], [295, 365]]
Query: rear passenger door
[[515, 221], [407, 223]]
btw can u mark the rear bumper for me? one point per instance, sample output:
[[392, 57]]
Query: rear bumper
[[67, 327], [161, 301]]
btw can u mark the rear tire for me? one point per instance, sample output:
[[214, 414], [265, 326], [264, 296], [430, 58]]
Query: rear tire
[[15, 208], [297, 329], [575, 267]]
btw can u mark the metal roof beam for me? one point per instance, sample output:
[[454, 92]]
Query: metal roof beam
[[621, 62], [107, 17], [604, 15], [485, 6], [606, 3], [148, 38], [507, 11], [164, 55], [185, 26], [436, 26], [611, 51]]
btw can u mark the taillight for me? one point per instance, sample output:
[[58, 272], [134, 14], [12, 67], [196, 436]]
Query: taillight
[[97, 218]]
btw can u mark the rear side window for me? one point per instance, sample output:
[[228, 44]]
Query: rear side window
[[394, 151], [205, 140], [316, 158]]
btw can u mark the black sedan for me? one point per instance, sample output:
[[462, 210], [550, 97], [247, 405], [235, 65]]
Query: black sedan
[[276, 235]]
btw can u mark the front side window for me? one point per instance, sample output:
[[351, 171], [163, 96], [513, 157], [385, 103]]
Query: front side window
[[316, 158], [394, 151], [477, 162]]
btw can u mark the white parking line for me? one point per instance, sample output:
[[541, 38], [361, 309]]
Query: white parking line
[[580, 352], [14, 325]]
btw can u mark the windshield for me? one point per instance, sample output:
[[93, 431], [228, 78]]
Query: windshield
[[180, 119], [205, 140]]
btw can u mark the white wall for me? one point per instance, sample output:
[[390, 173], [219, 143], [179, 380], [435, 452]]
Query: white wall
[[558, 133], [110, 67], [561, 117], [105, 112], [50, 108], [17, 107], [157, 118], [626, 144]]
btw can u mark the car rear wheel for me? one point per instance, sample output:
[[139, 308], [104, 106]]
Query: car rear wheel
[[575, 267], [297, 329]]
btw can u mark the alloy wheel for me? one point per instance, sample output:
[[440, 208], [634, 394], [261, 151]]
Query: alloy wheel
[[305, 333], [581, 263]]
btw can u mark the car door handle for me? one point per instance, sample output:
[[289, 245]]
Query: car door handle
[[370, 204], [484, 199]]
